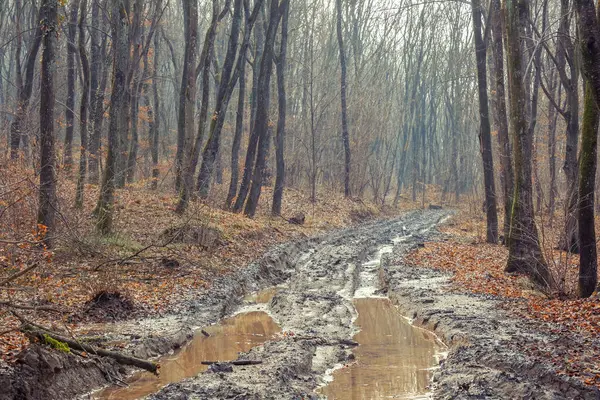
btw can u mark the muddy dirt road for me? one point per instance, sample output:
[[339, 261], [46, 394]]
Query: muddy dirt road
[[321, 285], [328, 320], [353, 287]]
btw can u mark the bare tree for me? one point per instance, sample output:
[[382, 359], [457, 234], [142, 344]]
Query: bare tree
[[47, 191], [525, 255]]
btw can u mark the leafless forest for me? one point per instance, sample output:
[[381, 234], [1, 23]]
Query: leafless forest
[[141, 136]]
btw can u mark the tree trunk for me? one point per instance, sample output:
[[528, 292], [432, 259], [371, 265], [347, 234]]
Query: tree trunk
[[83, 112], [99, 68], [193, 153], [345, 134], [552, 114], [525, 254], [506, 170], [565, 52], [47, 190], [117, 119], [588, 260], [226, 86], [589, 31], [261, 124], [485, 138], [71, 75], [187, 93], [253, 140], [155, 131], [280, 139], [24, 86]]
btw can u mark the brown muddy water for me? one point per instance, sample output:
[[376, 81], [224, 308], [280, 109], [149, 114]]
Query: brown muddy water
[[236, 334], [394, 360]]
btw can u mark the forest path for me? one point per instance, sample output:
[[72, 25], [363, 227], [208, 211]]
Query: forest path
[[309, 319]]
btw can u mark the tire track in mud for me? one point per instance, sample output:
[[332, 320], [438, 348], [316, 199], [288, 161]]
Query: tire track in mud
[[315, 306]]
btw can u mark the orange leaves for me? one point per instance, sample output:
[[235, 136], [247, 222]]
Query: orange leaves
[[479, 268]]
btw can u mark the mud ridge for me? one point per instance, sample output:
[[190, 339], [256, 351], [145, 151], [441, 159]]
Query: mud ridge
[[487, 357]]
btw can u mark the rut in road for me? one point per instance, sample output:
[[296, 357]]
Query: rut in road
[[315, 310]]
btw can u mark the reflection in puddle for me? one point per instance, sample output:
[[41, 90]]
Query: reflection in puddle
[[394, 359], [232, 335]]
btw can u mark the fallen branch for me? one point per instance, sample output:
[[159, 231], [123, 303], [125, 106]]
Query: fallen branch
[[18, 274], [236, 362], [34, 308], [119, 357], [328, 342]]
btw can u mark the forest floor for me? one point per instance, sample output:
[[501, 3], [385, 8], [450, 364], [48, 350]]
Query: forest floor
[[145, 288], [154, 263], [478, 268]]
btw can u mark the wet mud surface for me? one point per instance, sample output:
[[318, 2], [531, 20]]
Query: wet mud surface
[[322, 284], [394, 358]]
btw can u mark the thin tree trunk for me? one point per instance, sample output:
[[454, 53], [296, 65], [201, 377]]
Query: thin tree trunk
[[589, 31], [280, 139], [506, 170], [525, 255], [71, 75], [253, 140], [262, 108], [226, 86], [588, 259], [24, 85], [99, 69], [187, 93], [83, 113], [120, 26], [345, 134], [193, 154], [565, 51], [155, 131], [552, 115], [47, 190], [485, 138]]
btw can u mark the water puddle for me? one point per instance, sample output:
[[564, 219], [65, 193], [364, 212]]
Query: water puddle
[[239, 333], [394, 360]]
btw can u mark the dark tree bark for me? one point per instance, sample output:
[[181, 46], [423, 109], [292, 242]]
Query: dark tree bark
[[253, 140], [345, 134], [226, 86], [83, 112], [552, 116], [485, 137], [187, 93], [506, 170], [140, 77], [280, 139], [193, 152], [47, 190], [525, 254], [262, 107], [155, 131], [588, 258], [71, 77], [239, 118], [98, 80], [120, 10], [589, 31], [566, 55], [24, 86]]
